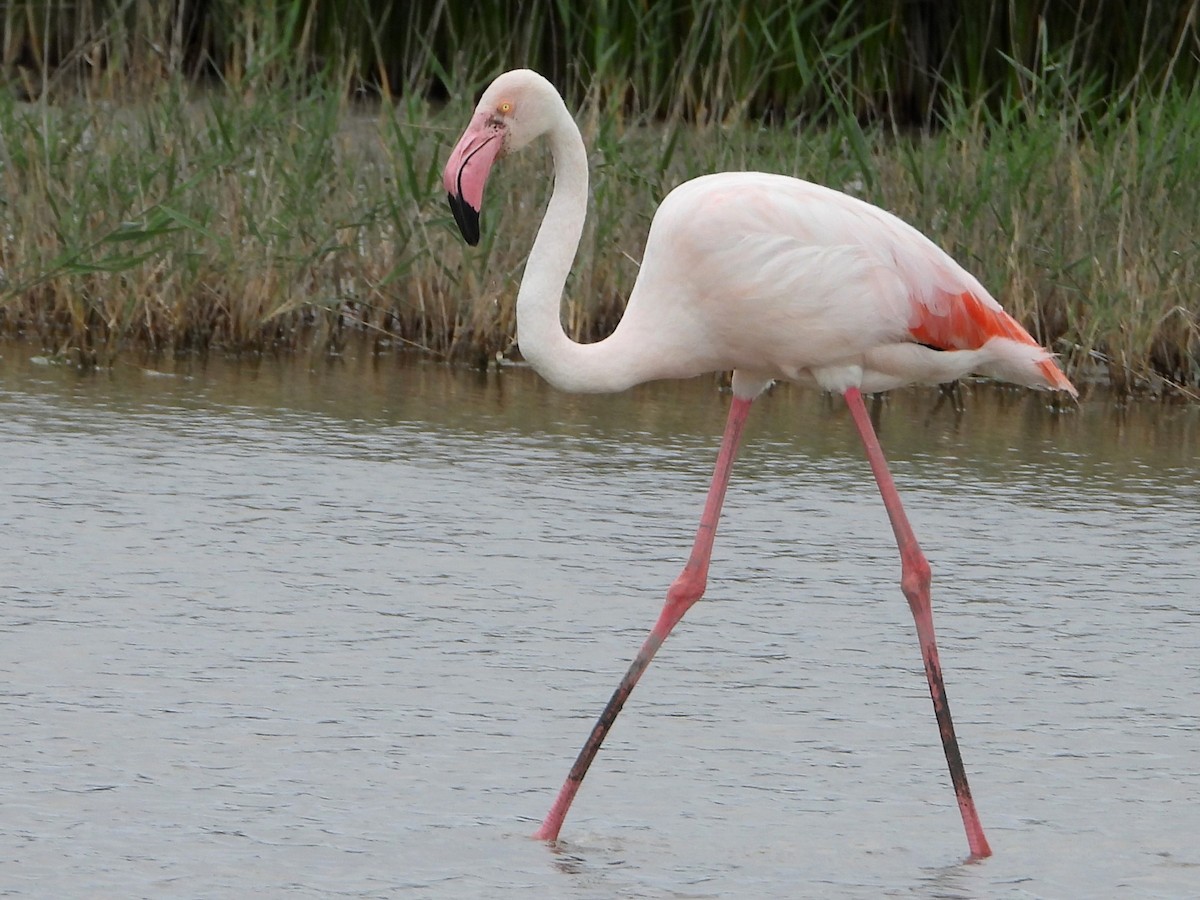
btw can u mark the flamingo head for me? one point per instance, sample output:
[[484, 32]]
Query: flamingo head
[[514, 110]]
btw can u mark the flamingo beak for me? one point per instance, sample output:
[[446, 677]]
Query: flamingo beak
[[467, 172]]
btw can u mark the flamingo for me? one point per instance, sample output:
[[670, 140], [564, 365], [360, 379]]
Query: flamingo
[[773, 278]]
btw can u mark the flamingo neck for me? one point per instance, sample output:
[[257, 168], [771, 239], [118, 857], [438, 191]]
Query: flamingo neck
[[566, 364]]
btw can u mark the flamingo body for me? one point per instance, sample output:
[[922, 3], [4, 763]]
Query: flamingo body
[[793, 281], [770, 277]]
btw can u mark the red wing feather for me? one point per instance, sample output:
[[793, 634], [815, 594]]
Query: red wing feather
[[964, 322]]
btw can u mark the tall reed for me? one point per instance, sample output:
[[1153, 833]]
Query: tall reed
[[260, 179], [699, 59]]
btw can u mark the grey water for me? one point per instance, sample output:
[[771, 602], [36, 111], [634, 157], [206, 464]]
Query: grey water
[[338, 629]]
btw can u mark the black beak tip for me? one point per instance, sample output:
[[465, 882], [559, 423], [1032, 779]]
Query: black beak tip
[[466, 217]]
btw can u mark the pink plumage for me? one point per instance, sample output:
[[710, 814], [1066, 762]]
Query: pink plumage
[[770, 277], [795, 281]]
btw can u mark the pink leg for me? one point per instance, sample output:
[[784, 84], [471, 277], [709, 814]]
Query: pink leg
[[684, 591], [914, 581]]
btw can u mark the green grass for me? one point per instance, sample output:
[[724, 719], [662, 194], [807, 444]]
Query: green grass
[[147, 213]]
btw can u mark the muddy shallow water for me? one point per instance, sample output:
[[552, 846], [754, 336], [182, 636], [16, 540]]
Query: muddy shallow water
[[339, 629]]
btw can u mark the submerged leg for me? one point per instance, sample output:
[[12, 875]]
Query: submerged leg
[[684, 591], [914, 581]]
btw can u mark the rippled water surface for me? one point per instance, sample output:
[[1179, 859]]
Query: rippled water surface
[[340, 630]]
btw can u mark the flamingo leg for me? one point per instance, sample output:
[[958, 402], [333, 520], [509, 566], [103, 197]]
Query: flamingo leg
[[914, 581], [684, 591]]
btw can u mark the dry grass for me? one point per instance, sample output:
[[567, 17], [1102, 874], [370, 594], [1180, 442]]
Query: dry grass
[[275, 220]]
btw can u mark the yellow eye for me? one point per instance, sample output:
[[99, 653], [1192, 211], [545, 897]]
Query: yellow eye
[[505, 107]]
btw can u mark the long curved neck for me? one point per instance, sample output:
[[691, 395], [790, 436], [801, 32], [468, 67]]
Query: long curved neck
[[560, 360]]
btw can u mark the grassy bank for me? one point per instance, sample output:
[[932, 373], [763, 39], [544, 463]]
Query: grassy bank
[[278, 218]]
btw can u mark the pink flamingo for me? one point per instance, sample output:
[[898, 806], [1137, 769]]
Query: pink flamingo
[[770, 277]]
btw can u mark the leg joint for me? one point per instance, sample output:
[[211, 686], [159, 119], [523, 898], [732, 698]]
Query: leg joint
[[916, 576]]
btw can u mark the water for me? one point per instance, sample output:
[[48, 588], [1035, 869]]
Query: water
[[340, 630]]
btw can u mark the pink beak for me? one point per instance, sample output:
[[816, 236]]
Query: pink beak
[[467, 171]]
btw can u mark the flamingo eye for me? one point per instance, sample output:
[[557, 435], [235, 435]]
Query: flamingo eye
[[505, 107]]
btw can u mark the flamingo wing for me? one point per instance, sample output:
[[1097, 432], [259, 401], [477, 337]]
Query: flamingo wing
[[795, 277]]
